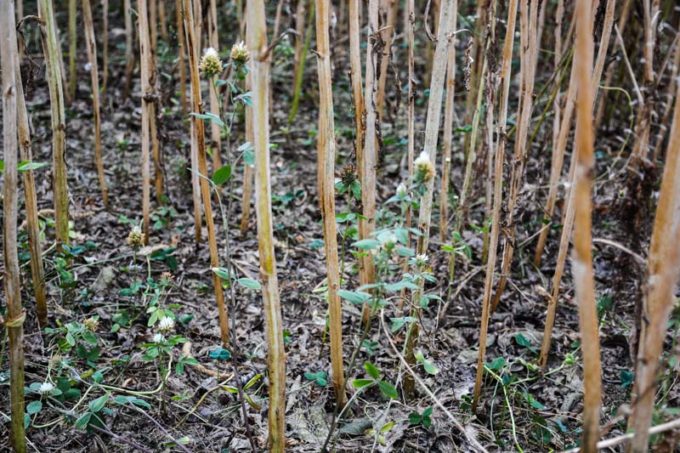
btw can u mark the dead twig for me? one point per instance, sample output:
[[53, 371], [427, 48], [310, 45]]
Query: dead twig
[[668, 426]]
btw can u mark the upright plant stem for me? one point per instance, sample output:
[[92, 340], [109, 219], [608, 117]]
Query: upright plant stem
[[191, 41], [9, 56], [355, 66], [326, 150], [561, 140], [569, 212], [152, 5], [411, 101], [88, 24], [409, 21], [181, 56], [213, 36], [663, 270], [668, 108], [50, 46], [557, 152], [582, 267], [475, 69], [147, 83], [72, 47], [621, 25], [644, 112], [499, 159], [434, 112], [163, 20], [300, 63], [129, 48], [448, 131], [154, 106], [387, 33], [248, 170], [198, 136], [35, 248], [105, 46], [471, 146], [529, 41], [369, 153], [257, 43], [299, 35]]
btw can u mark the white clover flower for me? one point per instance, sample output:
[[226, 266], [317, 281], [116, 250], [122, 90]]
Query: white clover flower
[[424, 167], [136, 237], [402, 191], [91, 324], [421, 260], [166, 324], [423, 158], [210, 52], [45, 388], [239, 53], [158, 338], [211, 64], [389, 241]]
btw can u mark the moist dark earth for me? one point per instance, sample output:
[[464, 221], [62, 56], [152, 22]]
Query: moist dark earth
[[195, 408]]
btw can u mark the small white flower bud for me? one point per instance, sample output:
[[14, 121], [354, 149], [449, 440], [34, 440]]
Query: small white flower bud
[[402, 191], [45, 388], [166, 324]]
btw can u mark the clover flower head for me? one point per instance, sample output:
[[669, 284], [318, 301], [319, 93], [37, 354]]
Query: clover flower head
[[424, 167], [210, 65], [421, 260], [239, 53], [166, 324], [136, 237], [158, 338], [91, 324]]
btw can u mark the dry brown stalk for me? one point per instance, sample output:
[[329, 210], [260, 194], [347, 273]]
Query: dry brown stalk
[[215, 132], [567, 223], [663, 270], [499, 159], [582, 267], [147, 82], [181, 56], [355, 64], [32, 221], [326, 150], [198, 137], [611, 69], [529, 46], [257, 45], [191, 40], [72, 47], [448, 131], [434, 113], [91, 45], [129, 48], [561, 139], [411, 101], [163, 20], [390, 8], [50, 45], [369, 152], [9, 57], [105, 46]]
